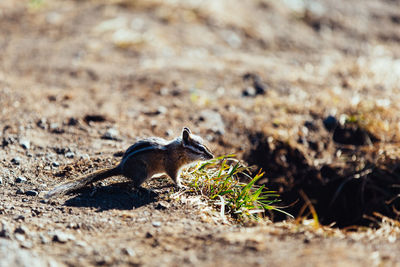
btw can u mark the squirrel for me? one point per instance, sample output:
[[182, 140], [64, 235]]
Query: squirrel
[[146, 158]]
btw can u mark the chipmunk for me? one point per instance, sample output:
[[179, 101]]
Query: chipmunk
[[146, 158]]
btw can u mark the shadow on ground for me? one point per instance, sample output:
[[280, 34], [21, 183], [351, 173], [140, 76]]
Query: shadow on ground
[[120, 196]]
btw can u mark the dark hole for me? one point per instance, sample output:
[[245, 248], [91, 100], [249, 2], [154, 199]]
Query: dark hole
[[347, 191]]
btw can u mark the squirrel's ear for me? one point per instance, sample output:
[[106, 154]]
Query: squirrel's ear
[[185, 135], [187, 129]]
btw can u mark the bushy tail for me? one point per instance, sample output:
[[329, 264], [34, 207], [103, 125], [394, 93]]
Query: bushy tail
[[81, 182]]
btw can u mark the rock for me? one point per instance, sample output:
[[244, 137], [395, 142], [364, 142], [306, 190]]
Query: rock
[[7, 141], [148, 235], [94, 118], [125, 38], [16, 160], [73, 121], [1, 180], [43, 239], [20, 179], [69, 155], [128, 251], [111, 134], [42, 123], [26, 244], [5, 229], [211, 120], [255, 85], [330, 123], [19, 237], [312, 126], [249, 91], [162, 205], [62, 237], [20, 191], [54, 125], [19, 218], [158, 111], [55, 164], [32, 193], [25, 144], [232, 38], [21, 230], [156, 223], [55, 128]]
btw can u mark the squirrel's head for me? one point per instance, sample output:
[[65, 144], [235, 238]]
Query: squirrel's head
[[195, 146]]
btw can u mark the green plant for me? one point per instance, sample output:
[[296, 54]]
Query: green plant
[[35, 4], [218, 181]]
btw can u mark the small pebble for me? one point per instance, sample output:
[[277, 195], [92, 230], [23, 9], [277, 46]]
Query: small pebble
[[162, 110], [156, 224], [16, 160], [42, 123], [162, 205], [311, 125], [249, 91], [43, 239], [19, 237], [149, 235], [55, 164], [330, 123], [128, 251], [20, 179], [5, 229], [1, 180], [21, 230], [73, 121], [19, 218], [27, 244], [44, 201], [211, 120], [20, 191], [53, 126], [32, 193], [70, 155], [25, 144], [111, 134], [62, 237]]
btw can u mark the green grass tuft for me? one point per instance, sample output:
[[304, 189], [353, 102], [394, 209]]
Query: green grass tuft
[[218, 181]]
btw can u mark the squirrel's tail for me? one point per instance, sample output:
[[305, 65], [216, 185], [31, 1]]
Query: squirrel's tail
[[81, 182]]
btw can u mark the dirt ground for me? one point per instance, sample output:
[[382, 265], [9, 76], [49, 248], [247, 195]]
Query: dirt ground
[[80, 81]]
